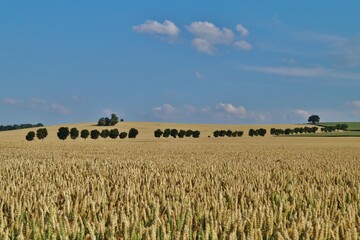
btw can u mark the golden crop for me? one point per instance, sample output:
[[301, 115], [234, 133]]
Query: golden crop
[[263, 188]]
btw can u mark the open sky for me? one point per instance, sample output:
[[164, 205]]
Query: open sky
[[179, 61]]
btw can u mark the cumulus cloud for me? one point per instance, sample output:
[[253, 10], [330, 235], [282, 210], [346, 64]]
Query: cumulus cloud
[[242, 45], [355, 104], [165, 112], [167, 29], [207, 35], [243, 31], [231, 110]]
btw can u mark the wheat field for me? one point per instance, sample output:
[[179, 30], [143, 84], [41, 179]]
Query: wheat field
[[207, 188]]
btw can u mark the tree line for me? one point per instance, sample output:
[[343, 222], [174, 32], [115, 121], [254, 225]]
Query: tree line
[[176, 133], [64, 132], [105, 121], [337, 127], [19, 126], [257, 132], [297, 130], [227, 133]]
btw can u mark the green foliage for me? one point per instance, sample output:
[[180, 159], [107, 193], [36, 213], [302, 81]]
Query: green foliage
[[133, 133], [114, 133], [196, 134], [41, 133], [94, 134], [63, 133], [174, 133], [181, 133], [19, 126], [166, 133], [84, 134], [109, 121], [30, 136], [123, 135], [105, 133], [74, 133], [314, 119], [158, 133], [189, 133]]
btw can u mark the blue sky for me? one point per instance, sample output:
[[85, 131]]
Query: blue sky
[[179, 61]]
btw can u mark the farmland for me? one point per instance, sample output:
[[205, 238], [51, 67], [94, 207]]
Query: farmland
[[207, 188]]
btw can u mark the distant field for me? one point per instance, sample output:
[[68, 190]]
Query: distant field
[[353, 126], [332, 134]]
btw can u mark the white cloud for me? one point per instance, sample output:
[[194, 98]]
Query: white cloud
[[198, 75], [230, 109], [207, 35], [243, 31], [242, 45], [167, 28], [11, 101], [302, 113], [166, 111], [302, 72], [59, 108]]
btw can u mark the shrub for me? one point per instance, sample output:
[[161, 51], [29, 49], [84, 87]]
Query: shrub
[[229, 133], [181, 133], [84, 134], [74, 133], [158, 133], [94, 134], [174, 132], [189, 133], [133, 133], [166, 133], [251, 132], [41, 133], [216, 133], [123, 135], [105, 133], [196, 134], [30, 136], [114, 133], [63, 133]]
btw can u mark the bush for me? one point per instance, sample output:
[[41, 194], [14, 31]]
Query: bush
[[94, 134], [74, 133], [114, 133], [166, 133], [189, 133], [109, 121], [41, 133], [251, 132], [196, 134], [133, 133], [181, 133], [123, 135], [174, 133], [84, 134], [158, 133], [105, 133], [228, 133], [216, 133], [30, 136], [63, 133]]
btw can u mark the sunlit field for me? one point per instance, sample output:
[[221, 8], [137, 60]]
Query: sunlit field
[[206, 188]]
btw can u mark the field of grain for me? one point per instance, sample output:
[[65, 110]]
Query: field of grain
[[232, 188]]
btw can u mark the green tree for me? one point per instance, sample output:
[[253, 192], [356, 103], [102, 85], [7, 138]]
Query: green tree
[[181, 133], [344, 127], [158, 133], [251, 132], [123, 135], [114, 133], [196, 134], [133, 133], [84, 134], [30, 136], [114, 119], [41, 133], [94, 134], [101, 122], [174, 133], [189, 133], [74, 133], [166, 133], [105, 133], [314, 119], [63, 133], [216, 133]]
